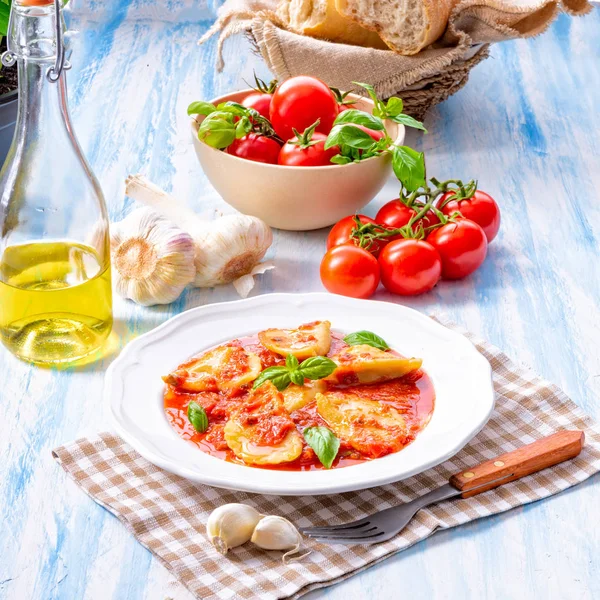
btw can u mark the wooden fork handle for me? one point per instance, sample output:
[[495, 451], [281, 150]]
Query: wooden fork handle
[[529, 459]]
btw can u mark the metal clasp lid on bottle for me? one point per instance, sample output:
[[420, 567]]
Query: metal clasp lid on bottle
[[61, 64]]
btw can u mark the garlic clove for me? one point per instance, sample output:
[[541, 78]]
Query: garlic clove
[[153, 259], [276, 533], [231, 525], [244, 284]]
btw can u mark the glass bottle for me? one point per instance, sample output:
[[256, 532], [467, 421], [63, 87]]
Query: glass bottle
[[55, 285]]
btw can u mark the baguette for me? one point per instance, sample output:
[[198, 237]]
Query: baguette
[[322, 19], [406, 26]]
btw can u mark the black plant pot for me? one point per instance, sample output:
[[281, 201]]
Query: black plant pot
[[8, 118]]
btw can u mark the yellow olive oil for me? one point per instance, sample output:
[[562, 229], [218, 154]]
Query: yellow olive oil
[[55, 301]]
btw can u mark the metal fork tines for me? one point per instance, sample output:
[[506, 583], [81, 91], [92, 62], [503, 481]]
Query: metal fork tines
[[380, 526]]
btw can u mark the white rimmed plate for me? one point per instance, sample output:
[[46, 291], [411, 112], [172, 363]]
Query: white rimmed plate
[[461, 378]]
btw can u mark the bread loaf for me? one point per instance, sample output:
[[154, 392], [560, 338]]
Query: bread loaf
[[322, 19], [405, 26]]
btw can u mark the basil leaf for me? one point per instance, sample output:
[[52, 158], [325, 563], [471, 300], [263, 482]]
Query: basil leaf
[[370, 89], [324, 442], [201, 108], [346, 134], [408, 121], [217, 130], [317, 367], [233, 108], [291, 362], [338, 159], [197, 417], [297, 377], [394, 106], [279, 376], [359, 117], [366, 337], [409, 167]]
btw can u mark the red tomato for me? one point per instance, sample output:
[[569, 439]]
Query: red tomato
[[376, 135], [298, 102], [341, 234], [481, 208], [255, 147], [259, 102], [294, 154], [396, 214], [462, 246], [410, 267], [350, 271]]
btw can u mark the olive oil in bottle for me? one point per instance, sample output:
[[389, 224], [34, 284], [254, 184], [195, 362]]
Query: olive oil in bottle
[[55, 288], [55, 301]]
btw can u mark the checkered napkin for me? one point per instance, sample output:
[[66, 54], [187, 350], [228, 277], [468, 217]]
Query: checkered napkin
[[167, 514]]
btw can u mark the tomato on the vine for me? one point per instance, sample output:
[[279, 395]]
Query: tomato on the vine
[[350, 271], [341, 233], [260, 102], [396, 214], [298, 102], [307, 150], [253, 146], [480, 208], [462, 246], [410, 267]]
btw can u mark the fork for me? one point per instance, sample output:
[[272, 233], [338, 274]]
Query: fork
[[529, 459]]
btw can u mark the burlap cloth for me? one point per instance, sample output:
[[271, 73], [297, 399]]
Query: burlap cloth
[[167, 514], [422, 80]]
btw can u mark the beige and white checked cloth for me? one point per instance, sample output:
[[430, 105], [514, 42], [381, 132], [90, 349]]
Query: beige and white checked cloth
[[167, 514]]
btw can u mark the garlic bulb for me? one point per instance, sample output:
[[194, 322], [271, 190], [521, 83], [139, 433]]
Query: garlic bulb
[[227, 248], [277, 533], [153, 260], [231, 525]]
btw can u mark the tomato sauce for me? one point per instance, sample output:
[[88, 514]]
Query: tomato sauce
[[412, 395]]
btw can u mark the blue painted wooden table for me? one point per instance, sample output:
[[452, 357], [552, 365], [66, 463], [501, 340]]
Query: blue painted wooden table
[[527, 126]]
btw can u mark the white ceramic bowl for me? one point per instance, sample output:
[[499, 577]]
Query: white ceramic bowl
[[294, 198], [460, 374]]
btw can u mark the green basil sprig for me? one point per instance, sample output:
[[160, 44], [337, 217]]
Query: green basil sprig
[[197, 417], [409, 167], [366, 337], [316, 367], [324, 442]]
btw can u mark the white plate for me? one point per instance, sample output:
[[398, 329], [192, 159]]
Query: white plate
[[461, 378]]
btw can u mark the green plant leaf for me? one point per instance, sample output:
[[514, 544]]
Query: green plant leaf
[[394, 106], [339, 159], [233, 108], [409, 167], [346, 135], [201, 108], [324, 442], [360, 117], [291, 362], [408, 121], [297, 377], [317, 367], [217, 130], [197, 417], [279, 376], [366, 337]]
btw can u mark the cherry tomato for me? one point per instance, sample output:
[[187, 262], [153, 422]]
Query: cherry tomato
[[259, 102], [298, 102], [294, 154], [256, 147], [350, 271], [396, 214], [410, 267], [462, 246], [341, 234], [481, 208]]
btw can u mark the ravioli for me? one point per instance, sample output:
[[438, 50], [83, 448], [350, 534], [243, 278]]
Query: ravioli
[[261, 431], [296, 397], [365, 364], [373, 428], [311, 339], [224, 368]]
